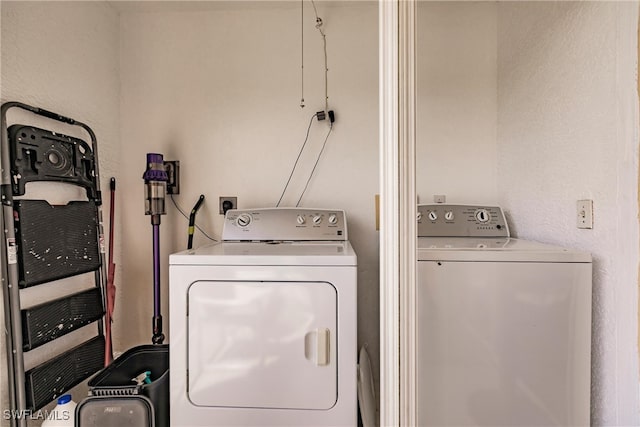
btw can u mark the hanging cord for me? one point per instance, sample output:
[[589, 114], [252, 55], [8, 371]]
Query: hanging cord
[[326, 67], [306, 138], [187, 217], [316, 164], [302, 54]]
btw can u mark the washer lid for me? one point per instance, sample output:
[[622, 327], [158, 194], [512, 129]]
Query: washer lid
[[494, 249], [268, 253]]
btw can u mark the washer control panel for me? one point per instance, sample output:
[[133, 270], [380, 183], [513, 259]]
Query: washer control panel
[[441, 220], [284, 224]]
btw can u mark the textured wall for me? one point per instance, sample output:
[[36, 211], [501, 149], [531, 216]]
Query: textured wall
[[456, 101], [567, 130], [63, 56]]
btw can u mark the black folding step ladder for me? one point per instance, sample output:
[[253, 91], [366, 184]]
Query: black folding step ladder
[[50, 244]]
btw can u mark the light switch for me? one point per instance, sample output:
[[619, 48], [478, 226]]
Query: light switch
[[585, 213]]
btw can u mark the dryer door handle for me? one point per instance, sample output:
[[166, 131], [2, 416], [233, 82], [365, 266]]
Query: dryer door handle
[[317, 346]]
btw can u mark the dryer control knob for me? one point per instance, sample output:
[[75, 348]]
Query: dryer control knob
[[300, 219], [333, 219], [433, 215], [317, 219], [448, 215], [243, 220], [482, 215]]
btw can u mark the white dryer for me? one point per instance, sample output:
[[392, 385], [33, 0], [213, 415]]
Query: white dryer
[[263, 324], [504, 325]]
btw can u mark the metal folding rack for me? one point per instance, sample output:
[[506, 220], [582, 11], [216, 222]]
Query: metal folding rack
[[45, 243]]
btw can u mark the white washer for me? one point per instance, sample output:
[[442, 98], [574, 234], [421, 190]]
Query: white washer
[[504, 325], [263, 324]]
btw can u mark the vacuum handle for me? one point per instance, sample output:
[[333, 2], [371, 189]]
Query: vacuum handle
[[192, 217], [192, 220]]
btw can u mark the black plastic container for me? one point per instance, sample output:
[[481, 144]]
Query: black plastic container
[[117, 378], [117, 411]]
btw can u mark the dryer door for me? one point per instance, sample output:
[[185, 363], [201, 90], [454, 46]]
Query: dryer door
[[262, 344]]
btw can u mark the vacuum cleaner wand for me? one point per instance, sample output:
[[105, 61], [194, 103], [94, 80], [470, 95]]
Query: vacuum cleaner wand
[[155, 180], [192, 220]]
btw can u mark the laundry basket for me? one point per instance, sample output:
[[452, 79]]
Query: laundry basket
[[117, 378]]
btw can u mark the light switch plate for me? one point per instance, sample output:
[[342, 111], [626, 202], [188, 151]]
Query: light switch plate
[[585, 214]]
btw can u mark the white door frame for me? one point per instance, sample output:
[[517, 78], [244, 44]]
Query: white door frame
[[397, 213]]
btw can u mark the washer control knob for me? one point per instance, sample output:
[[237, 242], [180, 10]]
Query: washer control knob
[[317, 219], [433, 215], [333, 219], [448, 215], [243, 220], [301, 219], [419, 216], [482, 215]]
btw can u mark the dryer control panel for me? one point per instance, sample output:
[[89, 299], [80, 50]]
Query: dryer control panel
[[442, 220], [284, 224]]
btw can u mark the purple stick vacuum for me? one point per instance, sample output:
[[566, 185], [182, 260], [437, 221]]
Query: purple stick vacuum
[[155, 180]]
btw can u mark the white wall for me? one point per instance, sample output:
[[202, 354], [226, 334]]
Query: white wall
[[219, 90], [568, 130], [63, 56], [456, 101]]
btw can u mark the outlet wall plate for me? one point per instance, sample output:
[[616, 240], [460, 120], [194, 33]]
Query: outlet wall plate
[[439, 198]]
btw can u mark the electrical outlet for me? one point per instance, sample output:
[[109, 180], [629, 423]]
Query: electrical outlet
[[227, 202], [585, 213], [173, 172], [439, 198]]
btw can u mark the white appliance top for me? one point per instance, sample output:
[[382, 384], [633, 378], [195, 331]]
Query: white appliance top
[[269, 254], [494, 249], [277, 236], [480, 233]]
